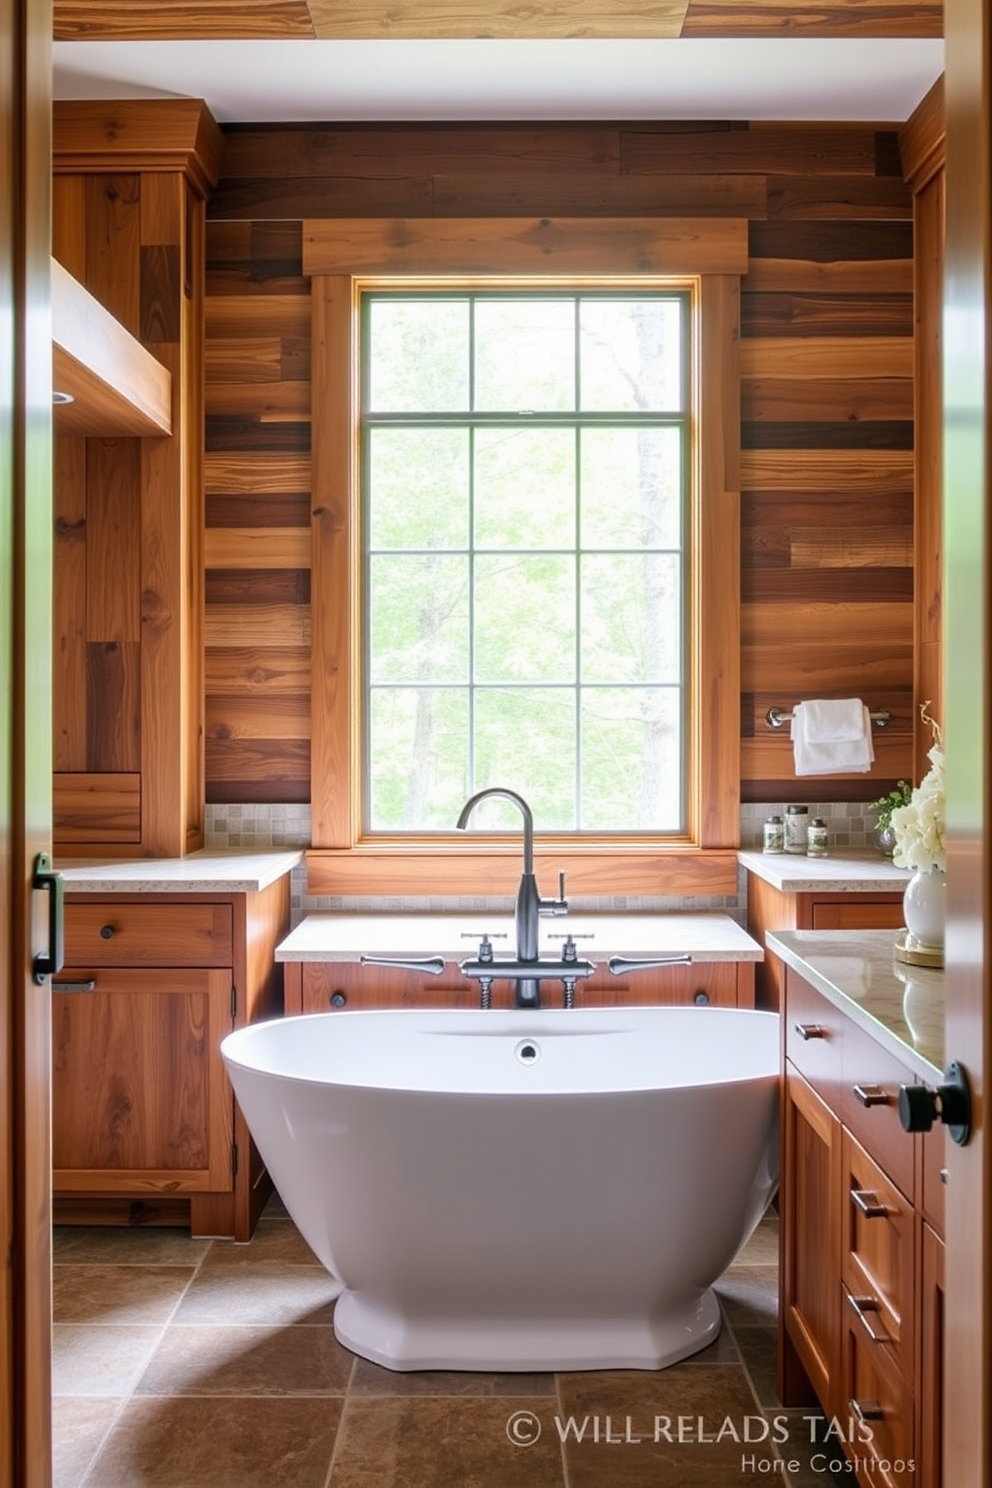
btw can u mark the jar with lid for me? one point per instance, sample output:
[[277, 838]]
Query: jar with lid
[[817, 838], [773, 840], [796, 826]]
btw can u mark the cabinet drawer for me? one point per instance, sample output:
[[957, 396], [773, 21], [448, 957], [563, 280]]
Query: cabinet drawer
[[870, 1105], [881, 1398], [878, 1257], [331, 986], [814, 1035], [874, 912], [114, 933], [705, 982]]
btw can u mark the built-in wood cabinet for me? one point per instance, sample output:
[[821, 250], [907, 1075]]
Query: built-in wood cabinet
[[128, 224], [862, 1252], [145, 1125], [330, 986], [773, 908]]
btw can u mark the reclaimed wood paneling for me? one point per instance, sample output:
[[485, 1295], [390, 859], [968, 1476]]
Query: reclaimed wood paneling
[[922, 142], [89, 807], [130, 178], [826, 363], [514, 245]]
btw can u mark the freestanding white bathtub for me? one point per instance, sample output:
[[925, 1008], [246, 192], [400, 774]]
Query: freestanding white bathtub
[[535, 1190]]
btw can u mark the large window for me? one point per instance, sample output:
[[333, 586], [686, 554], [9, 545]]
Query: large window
[[525, 551], [525, 471]]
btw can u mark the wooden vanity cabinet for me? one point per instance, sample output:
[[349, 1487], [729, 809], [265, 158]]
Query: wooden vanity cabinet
[[861, 1316], [145, 1127], [332, 986], [771, 908]]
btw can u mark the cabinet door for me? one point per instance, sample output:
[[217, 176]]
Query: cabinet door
[[141, 1103], [930, 1394], [811, 1235]]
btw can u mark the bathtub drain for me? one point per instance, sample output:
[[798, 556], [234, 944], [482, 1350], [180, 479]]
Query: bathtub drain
[[527, 1051]]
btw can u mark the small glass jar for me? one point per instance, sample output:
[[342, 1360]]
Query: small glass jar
[[817, 838], [773, 840], [796, 825]]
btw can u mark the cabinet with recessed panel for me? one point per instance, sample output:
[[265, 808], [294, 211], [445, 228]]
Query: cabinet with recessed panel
[[861, 1318], [145, 1128], [333, 986]]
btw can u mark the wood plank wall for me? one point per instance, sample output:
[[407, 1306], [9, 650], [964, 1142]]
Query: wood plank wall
[[827, 401]]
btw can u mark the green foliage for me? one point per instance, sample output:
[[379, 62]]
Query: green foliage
[[885, 805]]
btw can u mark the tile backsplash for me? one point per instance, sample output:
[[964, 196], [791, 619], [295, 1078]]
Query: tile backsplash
[[254, 826]]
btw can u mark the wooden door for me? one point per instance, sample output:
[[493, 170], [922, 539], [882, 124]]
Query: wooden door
[[968, 654], [25, 732], [810, 1262]]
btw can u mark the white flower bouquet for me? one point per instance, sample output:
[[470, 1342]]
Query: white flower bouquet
[[919, 826]]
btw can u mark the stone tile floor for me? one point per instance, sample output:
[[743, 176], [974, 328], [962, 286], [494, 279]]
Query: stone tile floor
[[185, 1363]]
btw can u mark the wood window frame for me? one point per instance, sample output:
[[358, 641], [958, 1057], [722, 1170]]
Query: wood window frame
[[345, 257]]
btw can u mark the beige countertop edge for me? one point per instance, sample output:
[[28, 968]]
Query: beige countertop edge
[[854, 971], [205, 872], [854, 873], [342, 937]]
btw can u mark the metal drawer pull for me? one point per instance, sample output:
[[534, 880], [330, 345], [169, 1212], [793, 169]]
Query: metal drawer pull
[[89, 986], [867, 1410], [861, 1306], [944, 1175], [871, 1095], [807, 1031], [866, 1200]]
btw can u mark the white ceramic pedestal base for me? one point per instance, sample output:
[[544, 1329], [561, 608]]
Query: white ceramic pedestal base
[[535, 1345]]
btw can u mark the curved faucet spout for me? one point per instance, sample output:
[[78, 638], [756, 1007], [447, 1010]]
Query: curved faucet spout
[[529, 903], [519, 802]]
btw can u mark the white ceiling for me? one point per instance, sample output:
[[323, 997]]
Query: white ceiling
[[789, 79]]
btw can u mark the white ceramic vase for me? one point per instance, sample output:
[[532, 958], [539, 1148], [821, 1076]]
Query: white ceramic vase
[[924, 907]]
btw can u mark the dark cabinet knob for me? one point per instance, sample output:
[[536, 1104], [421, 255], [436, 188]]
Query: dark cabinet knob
[[106, 932], [950, 1103], [338, 999], [701, 998]]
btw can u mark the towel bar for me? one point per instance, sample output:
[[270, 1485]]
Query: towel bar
[[775, 717]]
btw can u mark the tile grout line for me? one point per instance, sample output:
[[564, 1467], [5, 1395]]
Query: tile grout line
[[126, 1400], [339, 1433]]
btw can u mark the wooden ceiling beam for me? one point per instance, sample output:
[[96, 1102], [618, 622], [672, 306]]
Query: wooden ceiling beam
[[203, 20]]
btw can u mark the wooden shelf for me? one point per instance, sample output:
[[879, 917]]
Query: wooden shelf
[[118, 388]]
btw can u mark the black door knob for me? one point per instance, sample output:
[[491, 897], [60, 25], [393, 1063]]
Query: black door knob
[[950, 1103]]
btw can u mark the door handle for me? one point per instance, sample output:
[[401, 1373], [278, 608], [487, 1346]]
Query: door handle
[[44, 877]]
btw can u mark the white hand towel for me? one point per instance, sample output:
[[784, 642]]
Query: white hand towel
[[832, 736]]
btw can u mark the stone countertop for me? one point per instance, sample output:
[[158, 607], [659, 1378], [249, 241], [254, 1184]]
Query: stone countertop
[[901, 1006], [853, 873], [204, 872], [345, 937]]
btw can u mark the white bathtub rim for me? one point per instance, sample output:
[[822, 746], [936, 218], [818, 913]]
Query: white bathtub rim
[[513, 1025]]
